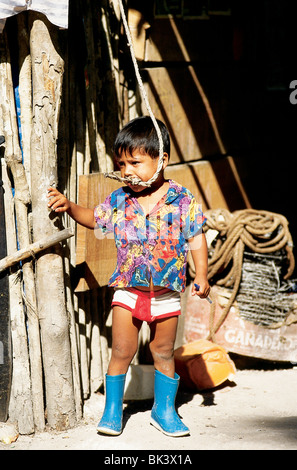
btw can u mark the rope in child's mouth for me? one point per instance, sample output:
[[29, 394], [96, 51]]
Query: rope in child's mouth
[[113, 174]]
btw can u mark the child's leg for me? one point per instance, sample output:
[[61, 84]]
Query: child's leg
[[125, 331], [163, 415], [124, 345], [163, 334]]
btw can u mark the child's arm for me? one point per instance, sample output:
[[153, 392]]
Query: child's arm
[[82, 215], [198, 247]]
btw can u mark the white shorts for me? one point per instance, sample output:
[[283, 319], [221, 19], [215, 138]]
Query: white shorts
[[150, 305]]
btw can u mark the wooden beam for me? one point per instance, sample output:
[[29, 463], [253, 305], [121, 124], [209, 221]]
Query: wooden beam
[[35, 248]]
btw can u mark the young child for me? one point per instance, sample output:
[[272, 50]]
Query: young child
[[154, 227]]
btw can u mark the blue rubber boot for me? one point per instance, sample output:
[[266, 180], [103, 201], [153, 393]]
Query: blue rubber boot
[[164, 416], [112, 420]]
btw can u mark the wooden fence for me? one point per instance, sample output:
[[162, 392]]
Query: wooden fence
[[61, 106]]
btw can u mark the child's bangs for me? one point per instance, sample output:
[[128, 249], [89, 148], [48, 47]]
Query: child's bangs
[[139, 145]]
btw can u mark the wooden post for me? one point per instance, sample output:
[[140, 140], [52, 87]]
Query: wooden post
[[47, 78], [20, 403], [21, 400], [5, 339]]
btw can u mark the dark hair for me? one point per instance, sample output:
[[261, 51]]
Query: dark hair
[[140, 133]]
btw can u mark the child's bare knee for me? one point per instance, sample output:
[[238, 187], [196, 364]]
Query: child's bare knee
[[123, 351], [162, 352]]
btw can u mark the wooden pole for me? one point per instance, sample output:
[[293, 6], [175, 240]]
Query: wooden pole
[[5, 336], [47, 80], [21, 397], [21, 385], [35, 248], [24, 232]]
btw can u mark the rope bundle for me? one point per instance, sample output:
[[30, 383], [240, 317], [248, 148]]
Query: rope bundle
[[260, 231]]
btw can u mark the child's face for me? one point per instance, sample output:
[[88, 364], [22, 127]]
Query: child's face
[[138, 165]]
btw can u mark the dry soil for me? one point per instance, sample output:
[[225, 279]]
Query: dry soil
[[256, 412]]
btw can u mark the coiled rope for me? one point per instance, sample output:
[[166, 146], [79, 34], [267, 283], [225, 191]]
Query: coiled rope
[[261, 231], [113, 174]]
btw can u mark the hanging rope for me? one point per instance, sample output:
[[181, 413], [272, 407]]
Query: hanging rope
[[114, 175], [260, 231]]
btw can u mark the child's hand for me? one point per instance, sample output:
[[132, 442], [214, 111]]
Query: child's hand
[[58, 202], [201, 288]]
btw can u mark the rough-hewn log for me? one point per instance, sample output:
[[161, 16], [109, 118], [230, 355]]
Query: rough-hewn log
[[5, 335], [20, 403], [47, 78]]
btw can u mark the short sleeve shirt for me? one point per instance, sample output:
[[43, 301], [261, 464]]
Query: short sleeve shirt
[[150, 246]]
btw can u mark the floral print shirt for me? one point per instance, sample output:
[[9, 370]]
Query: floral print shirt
[[152, 246]]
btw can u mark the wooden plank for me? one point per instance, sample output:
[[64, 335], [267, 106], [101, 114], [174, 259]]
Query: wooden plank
[[138, 26], [5, 348], [181, 96], [5, 339], [237, 335], [96, 258], [174, 99], [215, 184], [201, 180], [81, 233], [205, 41]]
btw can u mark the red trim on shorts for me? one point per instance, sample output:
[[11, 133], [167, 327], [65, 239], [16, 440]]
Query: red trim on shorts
[[147, 295], [165, 315], [120, 304]]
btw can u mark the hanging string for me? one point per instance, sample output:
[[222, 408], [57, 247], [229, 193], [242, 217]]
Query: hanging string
[[114, 175]]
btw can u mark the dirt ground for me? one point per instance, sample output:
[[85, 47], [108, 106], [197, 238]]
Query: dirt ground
[[258, 411]]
